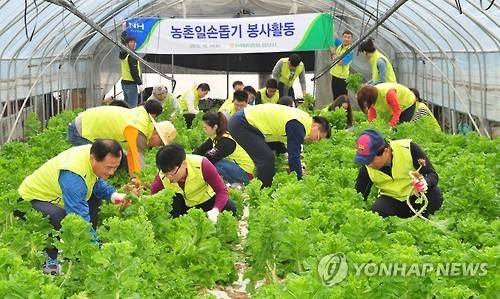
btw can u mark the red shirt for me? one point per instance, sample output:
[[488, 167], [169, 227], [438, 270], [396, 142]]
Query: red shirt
[[393, 102]]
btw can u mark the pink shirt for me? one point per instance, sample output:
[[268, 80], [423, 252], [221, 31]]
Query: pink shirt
[[212, 178]]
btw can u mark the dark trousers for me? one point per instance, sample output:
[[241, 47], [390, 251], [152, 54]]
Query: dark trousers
[[278, 147], [56, 214], [339, 87], [179, 206], [407, 114], [254, 144], [286, 91], [387, 206], [189, 117]]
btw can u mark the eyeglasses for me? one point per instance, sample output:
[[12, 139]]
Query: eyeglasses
[[172, 172]]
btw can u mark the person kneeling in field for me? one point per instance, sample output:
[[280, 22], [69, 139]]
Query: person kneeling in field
[[232, 162], [402, 173], [73, 182], [195, 181]]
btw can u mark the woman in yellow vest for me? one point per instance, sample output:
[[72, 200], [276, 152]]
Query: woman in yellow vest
[[131, 74], [340, 71], [251, 94], [286, 71], [422, 110], [195, 181], [387, 165], [73, 182], [239, 101], [343, 102], [255, 126], [187, 103], [135, 127], [232, 162], [382, 70], [269, 94], [392, 102]]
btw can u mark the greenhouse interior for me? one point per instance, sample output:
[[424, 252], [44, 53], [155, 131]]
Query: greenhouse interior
[[228, 149]]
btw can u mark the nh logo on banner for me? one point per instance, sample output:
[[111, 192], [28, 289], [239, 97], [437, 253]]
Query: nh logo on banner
[[135, 25]]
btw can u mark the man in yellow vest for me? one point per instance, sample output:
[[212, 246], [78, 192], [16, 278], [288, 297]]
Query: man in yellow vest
[[73, 182], [187, 103], [160, 93], [131, 74], [381, 67], [392, 168], [392, 102], [286, 71], [238, 85], [239, 101], [340, 71], [255, 126], [135, 127], [226, 106], [195, 181], [268, 94]]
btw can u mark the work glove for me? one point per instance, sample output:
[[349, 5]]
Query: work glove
[[420, 185], [119, 199], [213, 214]]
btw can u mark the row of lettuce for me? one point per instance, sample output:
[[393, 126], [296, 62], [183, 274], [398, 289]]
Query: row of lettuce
[[292, 225]]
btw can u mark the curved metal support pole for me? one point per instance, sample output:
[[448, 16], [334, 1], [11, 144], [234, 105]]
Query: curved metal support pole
[[362, 38], [70, 7]]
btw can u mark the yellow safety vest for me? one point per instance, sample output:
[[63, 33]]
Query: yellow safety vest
[[340, 70], [43, 183], [269, 100], [239, 156], [419, 106], [325, 109], [196, 189], [399, 185], [111, 121], [182, 100], [271, 120], [228, 107], [390, 76], [406, 98], [126, 75], [285, 72]]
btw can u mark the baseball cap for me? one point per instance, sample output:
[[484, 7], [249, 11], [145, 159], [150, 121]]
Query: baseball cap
[[369, 143]]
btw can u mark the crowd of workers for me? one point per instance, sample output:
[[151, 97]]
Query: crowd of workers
[[243, 139]]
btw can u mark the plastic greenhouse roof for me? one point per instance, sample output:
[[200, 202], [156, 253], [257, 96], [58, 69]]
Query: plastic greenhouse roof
[[429, 26]]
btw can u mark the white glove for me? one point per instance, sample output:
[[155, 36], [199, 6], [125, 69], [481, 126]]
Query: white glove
[[141, 88], [213, 214], [119, 199], [420, 185]]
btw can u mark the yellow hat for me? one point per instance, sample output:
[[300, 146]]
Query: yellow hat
[[165, 129]]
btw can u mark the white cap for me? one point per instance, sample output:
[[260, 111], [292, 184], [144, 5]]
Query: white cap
[[165, 129]]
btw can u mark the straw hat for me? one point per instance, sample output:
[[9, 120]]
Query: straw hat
[[165, 129]]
